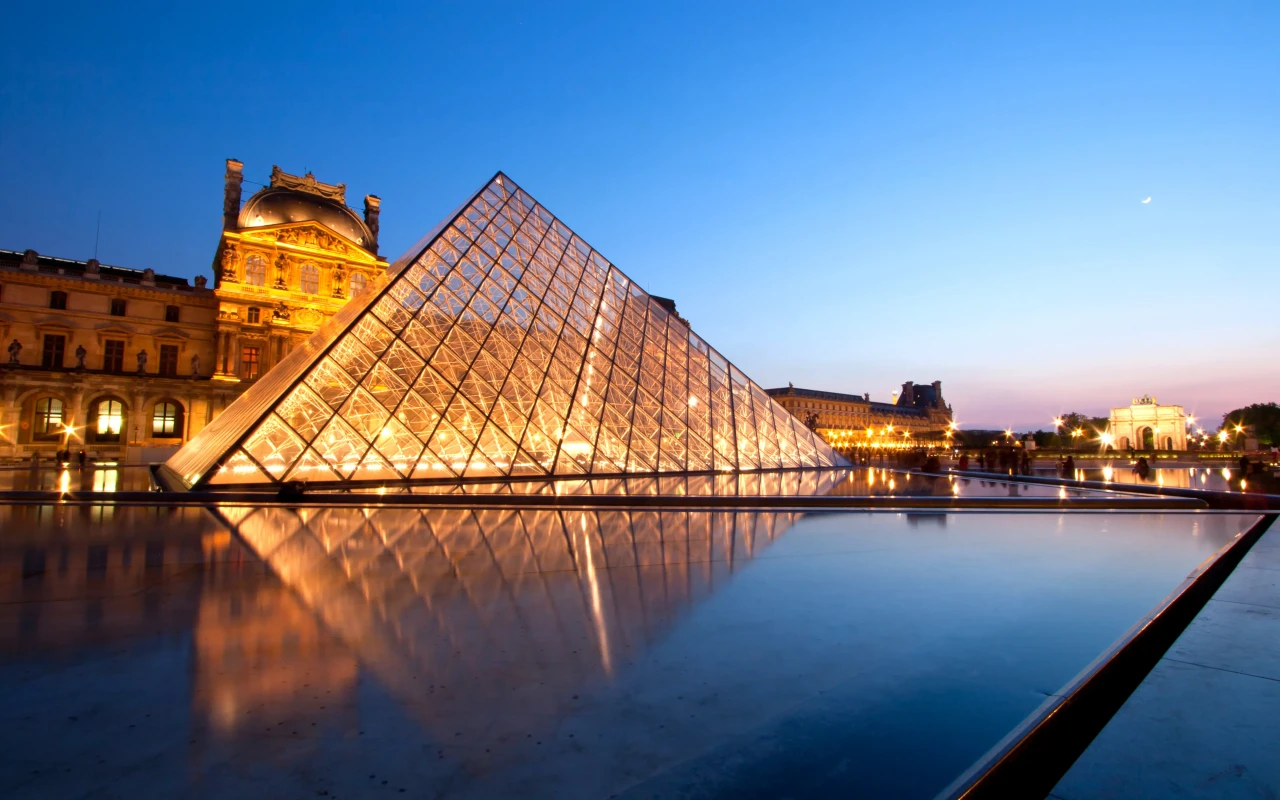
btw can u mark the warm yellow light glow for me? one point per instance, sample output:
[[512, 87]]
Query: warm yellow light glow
[[1107, 473]]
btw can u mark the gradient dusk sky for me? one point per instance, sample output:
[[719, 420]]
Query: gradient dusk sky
[[843, 196]]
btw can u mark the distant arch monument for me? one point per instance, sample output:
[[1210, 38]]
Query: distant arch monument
[[1146, 425]]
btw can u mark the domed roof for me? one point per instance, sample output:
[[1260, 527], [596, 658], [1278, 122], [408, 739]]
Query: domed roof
[[293, 199]]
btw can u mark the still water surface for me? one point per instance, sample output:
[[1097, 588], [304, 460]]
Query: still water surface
[[473, 653]]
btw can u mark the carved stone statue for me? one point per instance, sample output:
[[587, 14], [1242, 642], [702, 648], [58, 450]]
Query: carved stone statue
[[195, 363], [148, 275], [201, 281], [15, 348], [229, 264], [142, 361], [91, 268], [280, 265], [280, 313], [81, 354], [339, 279]]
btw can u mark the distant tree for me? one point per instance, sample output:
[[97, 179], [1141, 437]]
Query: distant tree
[[1264, 417]]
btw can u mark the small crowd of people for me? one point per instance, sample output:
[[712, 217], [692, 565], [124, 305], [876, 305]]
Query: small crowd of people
[[62, 458]]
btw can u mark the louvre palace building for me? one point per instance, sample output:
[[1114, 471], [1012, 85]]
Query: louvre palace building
[[130, 365]]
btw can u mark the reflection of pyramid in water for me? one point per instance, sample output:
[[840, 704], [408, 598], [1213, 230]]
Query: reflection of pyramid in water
[[467, 599], [502, 346]]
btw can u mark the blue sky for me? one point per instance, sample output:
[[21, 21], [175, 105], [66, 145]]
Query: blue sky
[[844, 196]]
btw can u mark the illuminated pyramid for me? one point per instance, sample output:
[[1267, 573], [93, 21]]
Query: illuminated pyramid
[[503, 345]]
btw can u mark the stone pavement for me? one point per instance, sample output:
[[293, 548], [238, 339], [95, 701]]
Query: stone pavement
[[1206, 721]]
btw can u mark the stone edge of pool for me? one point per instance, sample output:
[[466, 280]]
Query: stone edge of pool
[[1031, 759]]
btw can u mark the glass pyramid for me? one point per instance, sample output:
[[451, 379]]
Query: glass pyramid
[[502, 346]]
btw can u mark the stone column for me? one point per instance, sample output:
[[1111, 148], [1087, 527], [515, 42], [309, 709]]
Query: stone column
[[233, 353]]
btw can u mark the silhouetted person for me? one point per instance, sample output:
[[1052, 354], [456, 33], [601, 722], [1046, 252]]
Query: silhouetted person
[[1244, 465], [964, 462], [81, 458], [1142, 468], [1069, 468], [1026, 463]]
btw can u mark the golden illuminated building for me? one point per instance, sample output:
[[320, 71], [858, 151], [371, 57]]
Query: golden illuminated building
[[504, 346], [917, 416], [129, 364]]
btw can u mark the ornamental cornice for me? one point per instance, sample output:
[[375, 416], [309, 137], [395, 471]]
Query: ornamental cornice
[[309, 238], [104, 285]]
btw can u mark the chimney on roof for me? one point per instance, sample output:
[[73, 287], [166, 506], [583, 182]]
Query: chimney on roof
[[231, 194], [31, 260], [372, 208]]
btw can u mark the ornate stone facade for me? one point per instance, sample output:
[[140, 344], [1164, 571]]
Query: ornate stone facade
[[918, 415], [1146, 425], [291, 258], [129, 364]]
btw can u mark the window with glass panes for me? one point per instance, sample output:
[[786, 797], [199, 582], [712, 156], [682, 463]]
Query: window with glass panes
[[113, 355], [249, 363], [55, 347], [166, 420], [168, 360], [48, 419]]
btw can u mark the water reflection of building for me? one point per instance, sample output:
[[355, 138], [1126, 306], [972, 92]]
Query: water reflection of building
[[1146, 425], [257, 648], [76, 578], [445, 605], [133, 359], [77, 575], [917, 415]]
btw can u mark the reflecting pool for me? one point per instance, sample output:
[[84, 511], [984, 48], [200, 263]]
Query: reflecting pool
[[564, 653]]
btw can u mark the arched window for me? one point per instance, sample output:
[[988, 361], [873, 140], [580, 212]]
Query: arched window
[[255, 271], [48, 420], [310, 278], [106, 420], [358, 283], [166, 420]]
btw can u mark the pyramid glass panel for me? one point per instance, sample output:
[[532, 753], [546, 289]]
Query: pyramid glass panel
[[502, 345]]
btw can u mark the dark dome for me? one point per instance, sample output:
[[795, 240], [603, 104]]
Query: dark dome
[[275, 205]]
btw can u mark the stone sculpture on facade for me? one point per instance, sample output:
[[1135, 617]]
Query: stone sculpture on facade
[[81, 355], [195, 364], [142, 362], [15, 349], [229, 264]]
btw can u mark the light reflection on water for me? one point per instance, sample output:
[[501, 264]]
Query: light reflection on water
[[549, 653]]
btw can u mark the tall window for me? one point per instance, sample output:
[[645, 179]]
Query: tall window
[[255, 315], [166, 420], [55, 347], [170, 313], [58, 300], [310, 278], [249, 363], [108, 421], [117, 307], [48, 422], [168, 360], [358, 283], [255, 271], [113, 356]]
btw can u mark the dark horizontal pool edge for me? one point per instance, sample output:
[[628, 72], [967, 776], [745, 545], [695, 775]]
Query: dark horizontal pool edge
[[1033, 757], [689, 502]]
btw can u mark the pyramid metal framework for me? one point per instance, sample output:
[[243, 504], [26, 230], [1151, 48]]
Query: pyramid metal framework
[[503, 346]]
